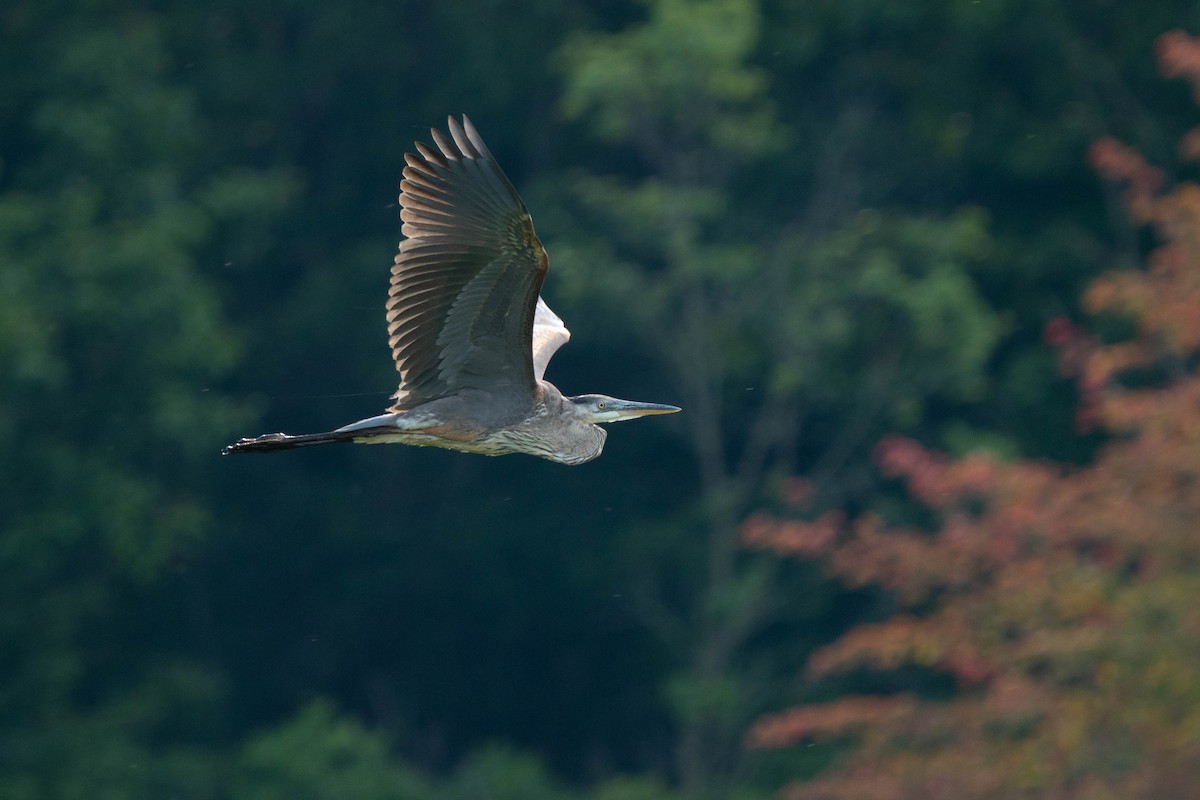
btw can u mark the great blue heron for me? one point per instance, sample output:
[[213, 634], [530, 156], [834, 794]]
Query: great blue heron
[[470, 334]]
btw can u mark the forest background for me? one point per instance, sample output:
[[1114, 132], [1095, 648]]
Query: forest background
[[818, 227]]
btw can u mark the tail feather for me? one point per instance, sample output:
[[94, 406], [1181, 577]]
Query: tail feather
[[270, 442]]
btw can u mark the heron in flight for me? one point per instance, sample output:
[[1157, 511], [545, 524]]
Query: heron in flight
[[469, 331]]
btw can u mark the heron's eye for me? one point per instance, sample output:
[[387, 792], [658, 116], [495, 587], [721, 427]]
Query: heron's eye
[[600, 404]]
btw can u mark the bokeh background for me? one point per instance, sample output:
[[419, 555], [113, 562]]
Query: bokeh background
[[926, 528]]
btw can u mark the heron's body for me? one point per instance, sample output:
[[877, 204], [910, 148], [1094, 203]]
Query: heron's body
[[545, 428], [470, 334]]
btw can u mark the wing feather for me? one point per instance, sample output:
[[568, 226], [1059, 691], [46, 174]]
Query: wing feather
[[463, 308]]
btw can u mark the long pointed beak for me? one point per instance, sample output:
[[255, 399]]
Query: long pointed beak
[[630, 409]]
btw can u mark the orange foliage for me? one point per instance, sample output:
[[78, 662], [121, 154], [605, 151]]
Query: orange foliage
[[1065, 603], [1179, 57]]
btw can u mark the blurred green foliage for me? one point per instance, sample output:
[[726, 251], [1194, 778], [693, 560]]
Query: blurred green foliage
[[318, 755], [808, 223]]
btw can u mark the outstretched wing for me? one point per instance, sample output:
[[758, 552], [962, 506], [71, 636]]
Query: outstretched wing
[[465, 284], [549, 334]]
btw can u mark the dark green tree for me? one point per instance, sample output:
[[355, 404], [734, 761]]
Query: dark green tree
[[112, 349], [810, 321]]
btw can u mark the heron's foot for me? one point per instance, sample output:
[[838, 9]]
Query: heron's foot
[[264, 443]]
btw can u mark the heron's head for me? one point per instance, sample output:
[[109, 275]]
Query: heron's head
[[597, 408]]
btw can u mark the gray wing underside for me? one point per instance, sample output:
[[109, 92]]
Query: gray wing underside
[[463, 308]]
